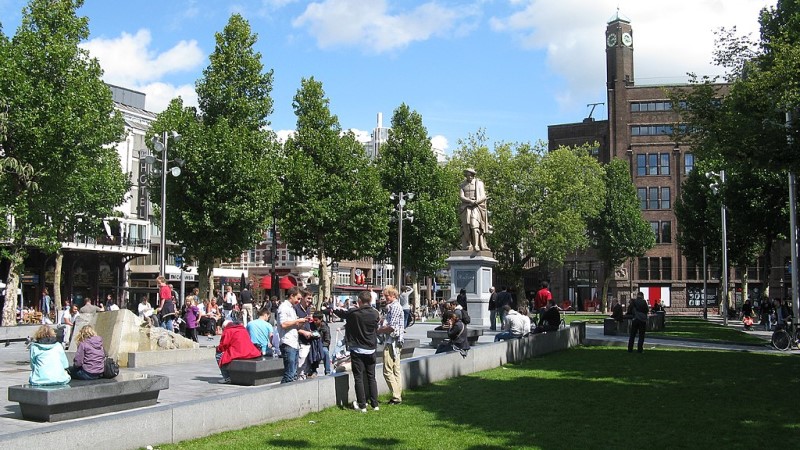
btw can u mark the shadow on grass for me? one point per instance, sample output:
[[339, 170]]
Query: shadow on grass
[[697, 328], [608, 398]]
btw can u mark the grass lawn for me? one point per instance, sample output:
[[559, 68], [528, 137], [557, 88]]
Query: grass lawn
[[588, 397], [697, 328]]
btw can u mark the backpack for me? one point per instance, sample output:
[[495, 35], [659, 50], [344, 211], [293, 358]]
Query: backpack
[[465, 317]]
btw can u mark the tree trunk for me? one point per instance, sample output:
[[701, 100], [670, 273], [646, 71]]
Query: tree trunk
[[57, 280], [12, 288], [604, 293], [205, 273], [324, 279]]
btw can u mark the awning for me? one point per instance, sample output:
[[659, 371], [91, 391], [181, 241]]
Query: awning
[[285, 282]]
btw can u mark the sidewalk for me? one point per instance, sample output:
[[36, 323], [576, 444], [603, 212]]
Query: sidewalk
[[195, 381]]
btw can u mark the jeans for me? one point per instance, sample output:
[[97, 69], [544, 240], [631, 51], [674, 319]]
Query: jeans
[[406, 317], [364, 364], [505, 335], [168, 325], [326, 360], [223, 369], [289, 363], [493, 319], [637, 326], [78, 373]]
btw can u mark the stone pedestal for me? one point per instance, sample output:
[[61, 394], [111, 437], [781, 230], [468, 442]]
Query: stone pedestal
[[472, 271]]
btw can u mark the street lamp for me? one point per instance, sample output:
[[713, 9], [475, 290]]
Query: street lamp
[[160, 145], [716, 188], [401, 216]]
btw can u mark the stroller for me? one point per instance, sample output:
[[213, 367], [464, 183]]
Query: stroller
[[341, 356]]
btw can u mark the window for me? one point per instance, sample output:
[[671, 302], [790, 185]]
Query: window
[[665, 201], [652, 164], [656, 129], [654, 198], [664, 167], [688, 163], [666, 268], [642, 193], [651, 106], [693, 270], [655, 268], [662, 231]]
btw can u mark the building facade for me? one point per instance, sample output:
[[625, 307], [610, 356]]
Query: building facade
[[639, 130]]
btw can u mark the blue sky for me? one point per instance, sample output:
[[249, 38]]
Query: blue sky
[[511, 67]]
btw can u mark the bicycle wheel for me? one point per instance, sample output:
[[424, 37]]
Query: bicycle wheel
[[780, 340], [562, 324]]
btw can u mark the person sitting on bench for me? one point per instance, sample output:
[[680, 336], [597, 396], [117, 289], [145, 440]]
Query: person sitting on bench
[[90, 357], [551, 319], [48, 360], [513, 325]]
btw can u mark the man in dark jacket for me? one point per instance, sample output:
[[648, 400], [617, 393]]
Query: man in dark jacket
[[638, 310], [362, 340]]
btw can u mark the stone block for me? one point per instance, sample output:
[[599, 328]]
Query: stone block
[[87, 398]]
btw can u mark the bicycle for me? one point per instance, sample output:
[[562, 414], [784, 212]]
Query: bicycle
[[785, 337]]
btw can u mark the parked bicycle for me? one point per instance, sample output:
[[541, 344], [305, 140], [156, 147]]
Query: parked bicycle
[[785, 337]]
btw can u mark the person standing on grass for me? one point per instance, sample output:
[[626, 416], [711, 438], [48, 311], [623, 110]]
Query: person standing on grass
[[361, 325], [393, 328], [638, 310]]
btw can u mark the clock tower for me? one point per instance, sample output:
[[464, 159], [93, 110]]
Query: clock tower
[[619, 52], [619, 77]]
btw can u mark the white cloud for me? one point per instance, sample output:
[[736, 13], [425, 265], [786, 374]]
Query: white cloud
[[284, 135], [440, 142], [361, 135], [671, 38], [128, 61], [158, 95], [371, 25]]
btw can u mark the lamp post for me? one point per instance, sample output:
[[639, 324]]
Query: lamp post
[[723, 210], [160, 145], [402, 215]]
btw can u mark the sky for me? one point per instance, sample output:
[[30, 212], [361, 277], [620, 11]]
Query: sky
[[508, 67]]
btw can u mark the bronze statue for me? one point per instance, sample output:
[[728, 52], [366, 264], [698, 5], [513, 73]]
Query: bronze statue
[[474, 218]]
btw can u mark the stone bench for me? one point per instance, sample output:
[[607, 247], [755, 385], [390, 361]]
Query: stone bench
[[256, 371], [437, 336], [82, 398]]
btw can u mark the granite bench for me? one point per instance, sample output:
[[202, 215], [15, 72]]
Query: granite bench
[[437, 336], [256, 371], [83, 398]]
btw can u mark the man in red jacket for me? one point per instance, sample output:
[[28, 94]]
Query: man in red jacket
[[235, 343]]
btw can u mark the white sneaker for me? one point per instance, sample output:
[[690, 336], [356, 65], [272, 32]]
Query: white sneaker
[[376, 408], [358, 408], [224, 381]]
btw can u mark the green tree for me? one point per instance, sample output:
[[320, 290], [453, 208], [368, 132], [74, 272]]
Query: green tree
[[407, 164], [529, 190], [58, 142], [333, 204], [220, 204], [619, 230]]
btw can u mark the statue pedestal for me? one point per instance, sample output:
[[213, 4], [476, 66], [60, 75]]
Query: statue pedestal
[[472, 271]]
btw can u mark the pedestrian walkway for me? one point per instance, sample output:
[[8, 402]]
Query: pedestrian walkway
[[198, 380]]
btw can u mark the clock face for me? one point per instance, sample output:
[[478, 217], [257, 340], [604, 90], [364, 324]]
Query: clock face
[[611, 40], [627, 39]]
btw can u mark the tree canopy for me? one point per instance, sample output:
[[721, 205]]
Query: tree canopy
[[220, 204]]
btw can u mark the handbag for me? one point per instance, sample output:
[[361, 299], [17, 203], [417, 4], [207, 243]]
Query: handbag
[[110, 368]]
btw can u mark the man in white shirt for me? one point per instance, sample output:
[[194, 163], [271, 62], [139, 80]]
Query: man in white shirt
[[288, 326]]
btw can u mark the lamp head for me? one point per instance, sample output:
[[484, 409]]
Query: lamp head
[[410, 195], [176, 137]]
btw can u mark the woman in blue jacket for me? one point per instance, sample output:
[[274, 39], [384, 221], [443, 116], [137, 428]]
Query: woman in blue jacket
[[48, 360]]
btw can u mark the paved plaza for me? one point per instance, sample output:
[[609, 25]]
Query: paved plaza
[[197, 380]]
